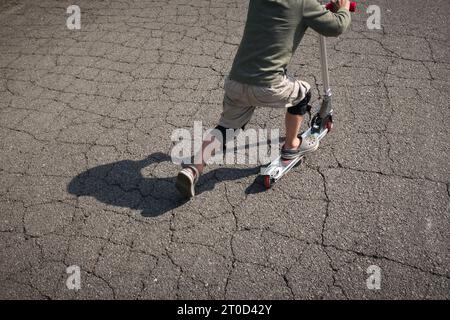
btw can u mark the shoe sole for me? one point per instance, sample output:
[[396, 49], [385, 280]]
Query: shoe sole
[[185, 186]]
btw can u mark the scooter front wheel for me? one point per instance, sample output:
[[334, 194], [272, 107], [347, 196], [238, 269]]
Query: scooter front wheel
[[329, 124]]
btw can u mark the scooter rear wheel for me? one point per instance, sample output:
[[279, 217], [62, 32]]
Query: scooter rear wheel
[[267, 182]]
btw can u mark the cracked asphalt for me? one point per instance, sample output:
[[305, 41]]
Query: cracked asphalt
[[85, 178]]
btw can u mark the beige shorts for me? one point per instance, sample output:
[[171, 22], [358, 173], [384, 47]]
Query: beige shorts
[[240, 99]]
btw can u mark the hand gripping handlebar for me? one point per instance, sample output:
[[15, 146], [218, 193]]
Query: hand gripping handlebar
[[330, 6]]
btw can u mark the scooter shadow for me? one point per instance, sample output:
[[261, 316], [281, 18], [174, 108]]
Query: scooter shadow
[[122, 184]]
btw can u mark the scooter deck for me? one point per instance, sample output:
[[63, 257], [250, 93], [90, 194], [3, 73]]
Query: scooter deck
[[279, 167]]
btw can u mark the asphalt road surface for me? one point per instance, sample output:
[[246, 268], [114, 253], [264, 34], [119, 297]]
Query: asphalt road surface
[[86, 118]]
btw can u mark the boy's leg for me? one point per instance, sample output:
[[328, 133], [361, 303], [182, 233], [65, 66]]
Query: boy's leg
[[294, 145], [187, 178], [293, 120], [236, 114], [292, 123], [294, 96], [212, 143]]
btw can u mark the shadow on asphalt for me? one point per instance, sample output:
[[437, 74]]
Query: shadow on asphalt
[[122, 184]]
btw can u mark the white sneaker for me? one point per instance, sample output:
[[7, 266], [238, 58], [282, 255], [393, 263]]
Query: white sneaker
[[186, 180], [309, 144]]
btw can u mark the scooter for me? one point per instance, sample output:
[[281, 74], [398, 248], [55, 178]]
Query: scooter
[[320, 125]]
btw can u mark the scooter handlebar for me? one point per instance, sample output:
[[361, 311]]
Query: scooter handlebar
[[330, 6]]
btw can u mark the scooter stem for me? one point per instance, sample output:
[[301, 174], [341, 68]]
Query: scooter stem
[[326, 109], [326, 102]]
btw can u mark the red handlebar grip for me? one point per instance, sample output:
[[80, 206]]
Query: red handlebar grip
[[330, 6]]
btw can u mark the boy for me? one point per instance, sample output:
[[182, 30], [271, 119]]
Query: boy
[[273, 31]]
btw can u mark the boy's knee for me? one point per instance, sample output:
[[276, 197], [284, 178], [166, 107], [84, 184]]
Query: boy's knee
[[227, 133], [302, 107], [223, 132]]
